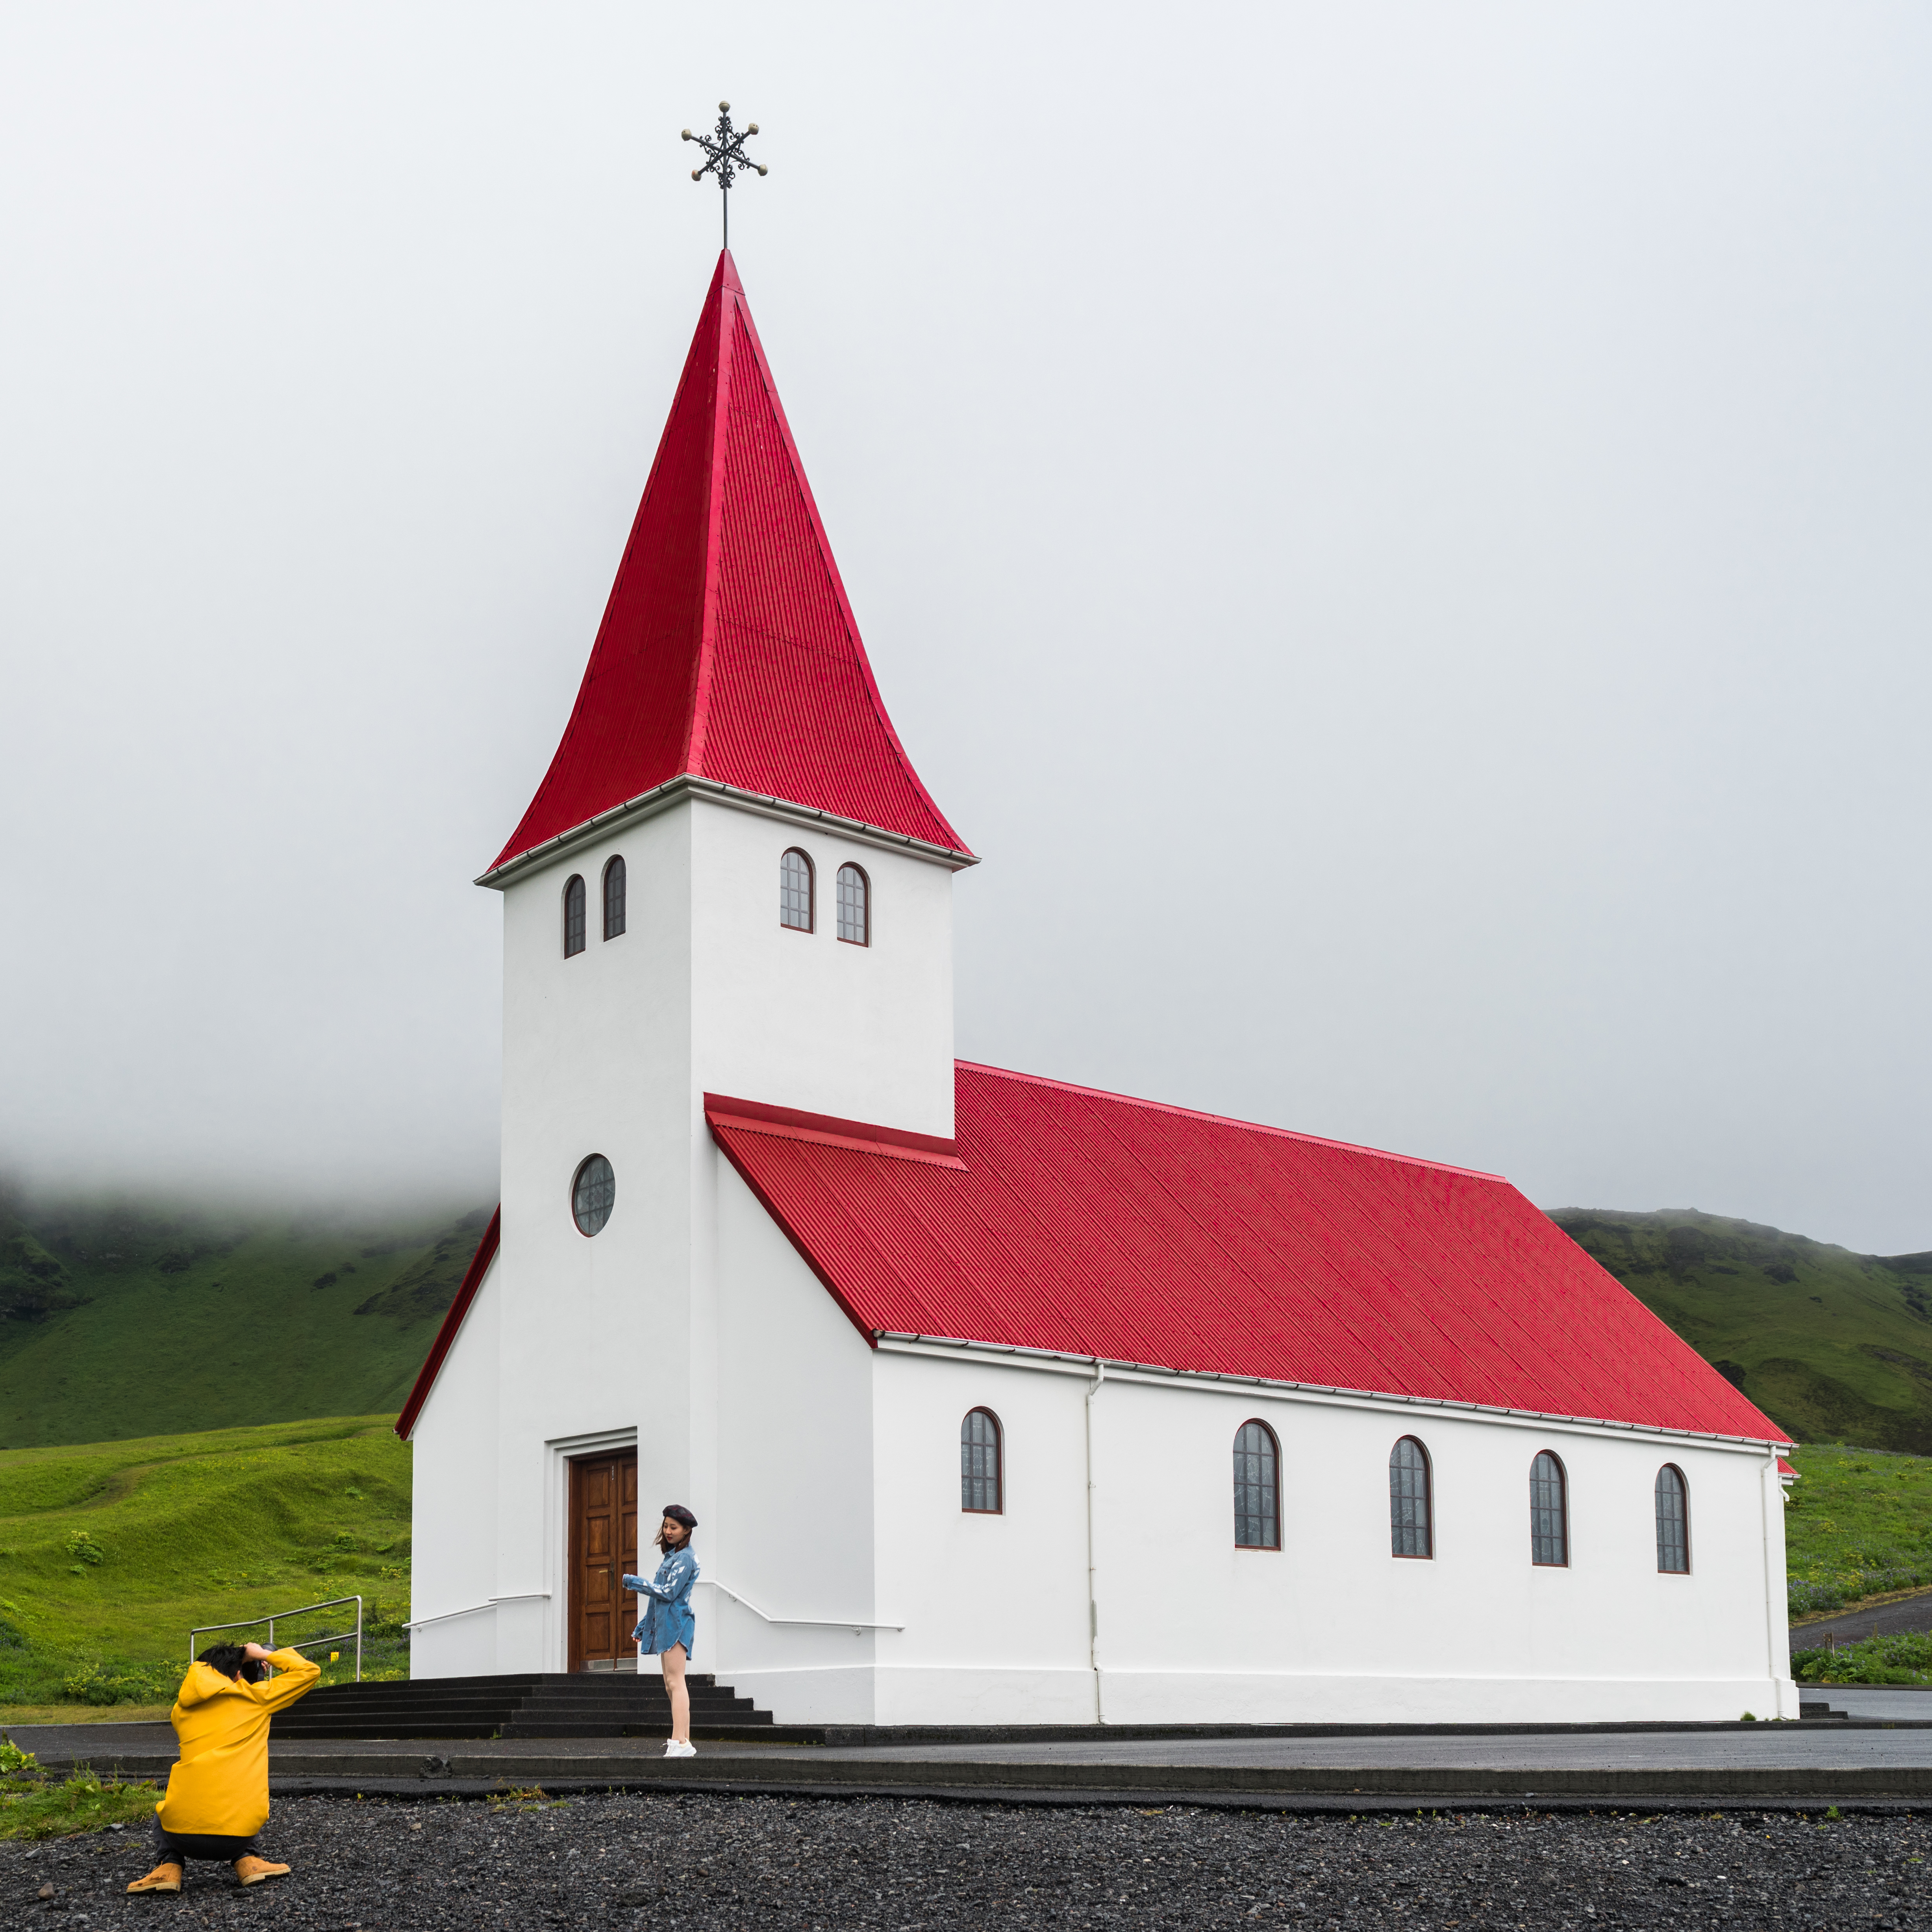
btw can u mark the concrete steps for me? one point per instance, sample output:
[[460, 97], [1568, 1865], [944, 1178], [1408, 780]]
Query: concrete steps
[[604, 1704]]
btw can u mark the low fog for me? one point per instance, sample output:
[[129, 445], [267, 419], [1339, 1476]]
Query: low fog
[[1399, 532]]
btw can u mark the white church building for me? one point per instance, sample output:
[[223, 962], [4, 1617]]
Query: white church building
[[998, 1399]]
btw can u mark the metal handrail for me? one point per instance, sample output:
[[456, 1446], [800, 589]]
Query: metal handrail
[[470, 1609], [803, 1623], [307, 1643]]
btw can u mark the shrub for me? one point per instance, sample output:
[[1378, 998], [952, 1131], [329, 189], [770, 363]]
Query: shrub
[[82, 1545], [119, 1682], [1906, 1658]]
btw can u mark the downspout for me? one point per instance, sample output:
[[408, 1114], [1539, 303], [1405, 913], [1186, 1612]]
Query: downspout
[[1093, 1600], [1767, 1483]]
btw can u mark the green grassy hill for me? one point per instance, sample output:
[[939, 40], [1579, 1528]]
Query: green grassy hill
[[1858, 1523], [111, 1552], [1835, 1346], [124, 1320]]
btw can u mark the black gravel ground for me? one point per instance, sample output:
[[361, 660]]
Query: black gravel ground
[[839, 1864]]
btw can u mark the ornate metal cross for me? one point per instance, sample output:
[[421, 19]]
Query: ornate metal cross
[[726, 148]]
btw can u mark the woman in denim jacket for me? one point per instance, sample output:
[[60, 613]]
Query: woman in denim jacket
[[668, 1628]]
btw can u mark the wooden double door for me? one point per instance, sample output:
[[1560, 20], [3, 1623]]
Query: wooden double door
[[603, 1550]]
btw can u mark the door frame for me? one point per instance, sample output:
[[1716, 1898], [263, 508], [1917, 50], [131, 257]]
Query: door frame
[[561, 1451]]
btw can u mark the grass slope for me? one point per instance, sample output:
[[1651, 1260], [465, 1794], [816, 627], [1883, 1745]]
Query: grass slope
[[111, 1552], [129, 1321], [1857, 1523], [1835, 1346]]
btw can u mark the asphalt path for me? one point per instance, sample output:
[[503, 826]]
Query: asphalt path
[[1908, 1615], [1806, 1745], [1812, 1747], [1876, 1700]]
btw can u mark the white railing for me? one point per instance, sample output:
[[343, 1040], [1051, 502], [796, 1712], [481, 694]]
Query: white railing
[[852, 1624], [470, 1609], [307, 1643]]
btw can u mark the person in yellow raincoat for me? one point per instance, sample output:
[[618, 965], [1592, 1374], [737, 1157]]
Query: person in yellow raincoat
[[217, 1794]]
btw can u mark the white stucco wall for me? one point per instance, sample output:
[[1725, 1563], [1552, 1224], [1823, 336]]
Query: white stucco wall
[[453, 1531], [615, 1338], [798, 1019], [790, 1526], [1330, 1628]]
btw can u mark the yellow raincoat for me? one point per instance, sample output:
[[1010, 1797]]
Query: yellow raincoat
[[220, 1788]]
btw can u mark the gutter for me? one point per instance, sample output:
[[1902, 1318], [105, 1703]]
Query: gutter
[[1058, 1361], [687, 785]]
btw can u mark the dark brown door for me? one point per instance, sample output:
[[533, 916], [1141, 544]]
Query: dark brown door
[[603, 1549]]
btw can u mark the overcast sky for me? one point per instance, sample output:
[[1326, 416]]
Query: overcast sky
[[1401, 533]]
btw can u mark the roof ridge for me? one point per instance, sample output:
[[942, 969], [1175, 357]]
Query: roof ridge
[[1226, 1120]]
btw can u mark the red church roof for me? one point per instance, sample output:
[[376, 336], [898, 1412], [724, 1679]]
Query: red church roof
[[728, 651], [1087, 1224]]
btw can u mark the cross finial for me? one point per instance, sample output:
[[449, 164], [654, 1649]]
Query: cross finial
[[725, 146]]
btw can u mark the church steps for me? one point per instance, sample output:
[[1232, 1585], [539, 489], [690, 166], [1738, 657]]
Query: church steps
[[590, 1704]]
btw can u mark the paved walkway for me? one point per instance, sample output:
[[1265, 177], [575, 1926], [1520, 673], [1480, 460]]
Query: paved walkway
[[1809, 1746], [1912, 1613], [1813, 1746], [1876, 1700]]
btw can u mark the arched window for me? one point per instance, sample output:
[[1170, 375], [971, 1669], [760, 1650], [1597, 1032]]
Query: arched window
[[1673, 1521], [1257, 1488], [573, 916], [855, 910], [593, 1193], [1549, 1512], [795, 891], [1411, 1525], [981, 1479], [614, 899]]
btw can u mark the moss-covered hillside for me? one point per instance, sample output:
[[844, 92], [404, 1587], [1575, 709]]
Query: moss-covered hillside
[[125, 1319], [111, 1552], [1835, 1346]]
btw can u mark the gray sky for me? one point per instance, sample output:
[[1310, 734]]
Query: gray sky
[[1400, 532]]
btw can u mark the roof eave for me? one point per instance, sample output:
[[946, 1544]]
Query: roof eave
[[687, 785], [883, 1336]]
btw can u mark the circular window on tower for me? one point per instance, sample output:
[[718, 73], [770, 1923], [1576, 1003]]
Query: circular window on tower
[[593, 1194]]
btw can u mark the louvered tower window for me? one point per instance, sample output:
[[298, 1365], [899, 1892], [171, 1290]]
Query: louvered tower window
[[573, 917], [1257, 1488], [1549, 1512], [982, 1481], [1411, 1531], [614, 899], [855, 922], [1673, 1521], [795, 891]]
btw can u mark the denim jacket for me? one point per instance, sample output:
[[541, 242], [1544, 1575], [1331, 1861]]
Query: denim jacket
[[668, 1618]]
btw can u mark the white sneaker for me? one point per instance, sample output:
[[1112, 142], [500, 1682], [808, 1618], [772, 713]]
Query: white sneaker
[[674, 1749]]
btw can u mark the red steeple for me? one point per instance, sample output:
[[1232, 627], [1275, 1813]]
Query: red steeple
[[728, 651]]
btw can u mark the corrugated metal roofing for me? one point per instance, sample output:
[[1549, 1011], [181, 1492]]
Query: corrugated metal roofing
[[728, 649], [1090, 1224]]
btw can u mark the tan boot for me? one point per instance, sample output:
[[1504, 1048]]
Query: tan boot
[[162, 1878], [251, 1871]]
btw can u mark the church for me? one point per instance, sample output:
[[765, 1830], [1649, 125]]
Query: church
[[998, 1399]]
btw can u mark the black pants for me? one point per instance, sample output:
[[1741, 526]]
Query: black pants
[[176, 1848]]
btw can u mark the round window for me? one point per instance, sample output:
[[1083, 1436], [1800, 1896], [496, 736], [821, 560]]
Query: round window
[[593, 1194]]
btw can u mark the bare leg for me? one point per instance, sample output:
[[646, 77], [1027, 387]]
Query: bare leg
[[680, 1697]]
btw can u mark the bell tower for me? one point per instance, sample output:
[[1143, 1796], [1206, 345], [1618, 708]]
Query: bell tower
[[730, 881]]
